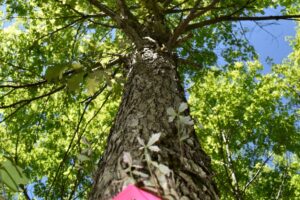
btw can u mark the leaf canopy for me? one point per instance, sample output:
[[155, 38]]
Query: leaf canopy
[[63, 64]]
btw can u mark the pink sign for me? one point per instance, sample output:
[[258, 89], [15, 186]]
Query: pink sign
[[132, 192]]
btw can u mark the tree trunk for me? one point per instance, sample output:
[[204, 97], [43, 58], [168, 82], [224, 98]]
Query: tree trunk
[[152, 87]]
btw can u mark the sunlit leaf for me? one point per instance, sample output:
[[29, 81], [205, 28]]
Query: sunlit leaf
[[154, 138], [182, 107]]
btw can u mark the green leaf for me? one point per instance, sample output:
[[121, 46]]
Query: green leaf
[[82, 158], [92, 85], [164, 169], [12, 175], [154, 148], [127, 158], [171, 112], [154, 138], [74, 82], [76, 65], [54, 73], [141, 141], [182, 107], [186, 120]]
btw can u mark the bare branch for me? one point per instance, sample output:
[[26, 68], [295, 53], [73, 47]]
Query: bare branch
[[279, 193], [12, 113], [235, 183], [245, 18], [18, 67], [25, 192], [190, 63], [166, 4], [76, 132], [75, 40], [56, 174], [262, 28], [7, 93], [59, 29], [192, 15], [130, 26], [171, 11], [24, 86], [104, 8], [180, 28], [257, 173], [27, 101], [102, 24], [124, 10], [228, 178], [39, 18]]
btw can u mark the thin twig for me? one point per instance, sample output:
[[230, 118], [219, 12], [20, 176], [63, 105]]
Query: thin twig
[[68, 149], [61, 28], [25, 85], [27, 101], [257, 172]]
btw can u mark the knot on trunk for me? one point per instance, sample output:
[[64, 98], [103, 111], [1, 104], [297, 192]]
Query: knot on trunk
[[149, 54]]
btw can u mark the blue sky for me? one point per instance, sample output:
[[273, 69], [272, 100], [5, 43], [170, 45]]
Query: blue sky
[[271, 40]]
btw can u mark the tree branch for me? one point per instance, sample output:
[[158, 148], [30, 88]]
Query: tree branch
[[102, 24], [104, 8], [167, 3], [125, 11], [257, 173], [129, 26], [153, 7], [232, 18], [237, 191], [7, 93], [190, 63], [56, 174], [62, 28], [76, 132], [192, 15], [27, 101], [25, 193], [24, 86], [279, 193]]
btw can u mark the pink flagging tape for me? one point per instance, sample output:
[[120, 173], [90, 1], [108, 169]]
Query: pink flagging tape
[[132, 192]]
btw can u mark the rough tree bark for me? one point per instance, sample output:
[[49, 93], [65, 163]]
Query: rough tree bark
[[153, 86]]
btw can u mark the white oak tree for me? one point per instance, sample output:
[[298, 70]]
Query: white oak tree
[[91, 50]]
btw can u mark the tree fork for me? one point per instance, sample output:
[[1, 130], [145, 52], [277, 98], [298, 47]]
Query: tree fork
[[152, 87]]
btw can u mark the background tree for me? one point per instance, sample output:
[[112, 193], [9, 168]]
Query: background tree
[[250, 125], [65, 63]]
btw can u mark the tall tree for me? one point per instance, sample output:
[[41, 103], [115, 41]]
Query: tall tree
[[90, 48], [250, 125]]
